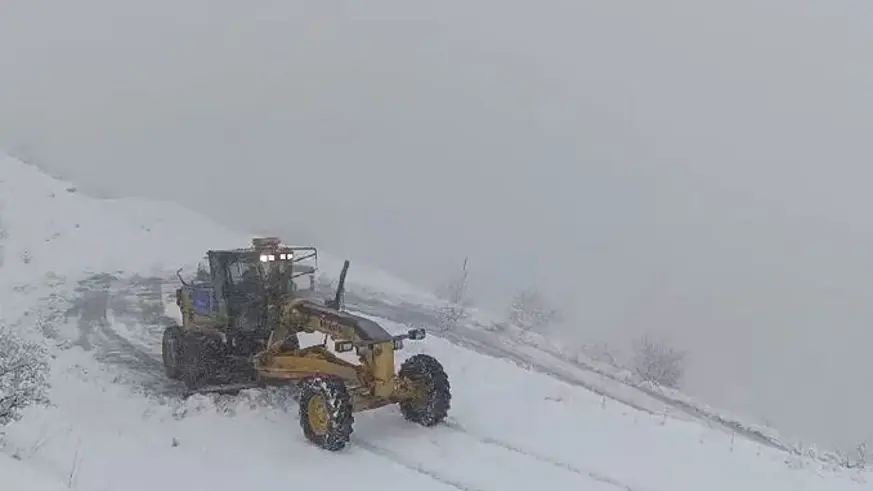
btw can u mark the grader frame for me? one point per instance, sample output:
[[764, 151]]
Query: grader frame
[[252, 329]]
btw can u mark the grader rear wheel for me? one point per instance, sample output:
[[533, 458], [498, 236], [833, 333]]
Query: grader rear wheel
[[432, 400], [171, 351], [201, 360], [326, 412]]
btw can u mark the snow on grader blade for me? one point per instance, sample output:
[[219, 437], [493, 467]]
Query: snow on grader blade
[[241, 319]]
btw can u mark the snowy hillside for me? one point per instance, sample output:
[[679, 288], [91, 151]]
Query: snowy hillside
[[115, 423]]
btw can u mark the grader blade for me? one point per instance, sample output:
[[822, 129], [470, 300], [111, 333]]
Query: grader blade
[[227, 389]]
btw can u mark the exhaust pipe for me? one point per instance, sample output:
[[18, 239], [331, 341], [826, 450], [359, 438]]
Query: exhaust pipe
[[337, 302]]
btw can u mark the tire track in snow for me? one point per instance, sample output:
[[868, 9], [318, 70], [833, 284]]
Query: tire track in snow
[[370, 425], [120, 350], [412, 466], [488, 440], [114, 347], [143, 360], [98, 308], [469, 460]]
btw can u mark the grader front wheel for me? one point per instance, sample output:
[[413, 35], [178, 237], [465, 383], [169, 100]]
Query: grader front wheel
[[326, 412], [432, 399]]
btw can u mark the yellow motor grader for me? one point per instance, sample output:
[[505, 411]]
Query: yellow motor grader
[[241, 322]]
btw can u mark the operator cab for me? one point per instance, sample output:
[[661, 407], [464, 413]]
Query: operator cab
[[247, 281]]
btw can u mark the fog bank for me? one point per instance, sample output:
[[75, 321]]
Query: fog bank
[[696, 168]]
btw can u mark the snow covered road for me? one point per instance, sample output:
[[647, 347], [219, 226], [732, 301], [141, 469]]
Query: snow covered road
[[509, 429]]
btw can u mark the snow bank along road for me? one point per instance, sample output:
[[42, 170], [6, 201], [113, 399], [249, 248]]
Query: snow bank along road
[[117, 424]]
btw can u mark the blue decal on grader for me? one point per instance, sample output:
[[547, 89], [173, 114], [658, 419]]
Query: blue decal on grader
[[202, 301]]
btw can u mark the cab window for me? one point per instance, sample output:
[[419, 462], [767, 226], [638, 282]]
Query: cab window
[[239, 270]]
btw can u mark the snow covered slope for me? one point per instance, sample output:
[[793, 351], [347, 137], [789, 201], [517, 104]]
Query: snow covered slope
[[116, 424]]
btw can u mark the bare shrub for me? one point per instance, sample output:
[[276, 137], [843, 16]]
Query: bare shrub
[[655, 361], [24, 373], [529, 311], [457, 301], [450, 315], [857, 458], [603, 353]]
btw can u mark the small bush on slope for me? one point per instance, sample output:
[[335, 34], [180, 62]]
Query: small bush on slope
[[457, 301], [655, 361], [530, 311], [24, 370]]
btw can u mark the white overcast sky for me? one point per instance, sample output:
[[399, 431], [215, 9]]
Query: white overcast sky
[[693, 167]]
